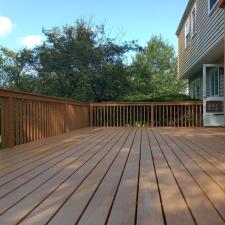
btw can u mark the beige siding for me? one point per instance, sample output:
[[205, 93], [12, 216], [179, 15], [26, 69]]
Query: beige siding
[[210, 32]]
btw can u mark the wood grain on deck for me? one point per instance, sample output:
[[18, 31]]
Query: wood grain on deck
[[116, 176]]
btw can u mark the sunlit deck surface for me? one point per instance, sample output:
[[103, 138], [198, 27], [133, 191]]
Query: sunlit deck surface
[[98, 176]]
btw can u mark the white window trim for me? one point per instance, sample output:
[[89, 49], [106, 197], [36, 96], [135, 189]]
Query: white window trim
[[187, 21], [192, 19], [210, 10]]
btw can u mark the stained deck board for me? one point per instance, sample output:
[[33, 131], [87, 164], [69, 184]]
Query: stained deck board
[[14, 171], [43, 185], [209, 188], [200, 208], [128, 188], [43, 170], [149, 210], [14, 162], [175, 208], [116, 176]]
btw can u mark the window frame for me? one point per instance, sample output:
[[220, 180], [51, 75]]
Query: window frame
[[210, 10], [189, 32], [193, 32]]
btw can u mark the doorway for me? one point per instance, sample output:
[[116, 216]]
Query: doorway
[[213, 95]]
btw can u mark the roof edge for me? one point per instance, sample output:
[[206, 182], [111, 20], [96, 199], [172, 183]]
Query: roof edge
[[188, 7]]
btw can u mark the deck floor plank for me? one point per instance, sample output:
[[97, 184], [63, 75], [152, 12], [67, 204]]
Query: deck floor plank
[[25, 178], [6, 154], [216, 161], [205, 214], [50, 178], [99, 207], [36, 168], [149, 204], [29, 157], [217, 175], [204, 140], [71, 212], [175, 208], [116, 176], [213, 192], [127, 189], [50, 206]]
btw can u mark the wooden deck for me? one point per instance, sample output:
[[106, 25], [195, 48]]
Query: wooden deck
[[98, 176]]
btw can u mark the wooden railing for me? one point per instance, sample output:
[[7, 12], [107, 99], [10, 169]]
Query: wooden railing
[[28, 117], [170, 114]]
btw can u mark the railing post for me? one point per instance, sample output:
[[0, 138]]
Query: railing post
[[8, 137], [91, 115], [152, 115]]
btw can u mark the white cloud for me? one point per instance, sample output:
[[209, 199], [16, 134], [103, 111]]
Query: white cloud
[[31, 41], [5, 25]]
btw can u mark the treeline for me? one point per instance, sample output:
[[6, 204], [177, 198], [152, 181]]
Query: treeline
[[82, 62]]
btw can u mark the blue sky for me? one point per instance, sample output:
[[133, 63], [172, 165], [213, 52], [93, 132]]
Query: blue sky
[[21, 21]]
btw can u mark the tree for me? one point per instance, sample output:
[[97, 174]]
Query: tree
[[15, 69], [82, 62], [155, 70]]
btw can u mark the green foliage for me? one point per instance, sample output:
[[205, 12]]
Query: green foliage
[[155, 70], [14, 69], [85, 63], [167, 98]]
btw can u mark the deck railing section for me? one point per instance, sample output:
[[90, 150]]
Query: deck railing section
[[171, 114], [28, 117]]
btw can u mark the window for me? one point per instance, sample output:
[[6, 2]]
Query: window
[[212, 4], [213, 82], [193, 21], [187, 33], [195, 89]]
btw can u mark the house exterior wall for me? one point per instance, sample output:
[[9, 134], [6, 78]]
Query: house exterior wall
[[195, 82], [210, 33], [196, 86]]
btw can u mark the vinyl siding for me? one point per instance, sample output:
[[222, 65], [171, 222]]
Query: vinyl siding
[[196, 87], [210, 32]]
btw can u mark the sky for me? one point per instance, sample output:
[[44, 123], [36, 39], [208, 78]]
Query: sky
[[21, 21]]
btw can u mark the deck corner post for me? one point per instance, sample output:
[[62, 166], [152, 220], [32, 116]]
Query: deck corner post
[[8, 128]]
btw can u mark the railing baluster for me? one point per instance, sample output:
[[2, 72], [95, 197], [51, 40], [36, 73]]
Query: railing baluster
[[152, 116], [144, 116]]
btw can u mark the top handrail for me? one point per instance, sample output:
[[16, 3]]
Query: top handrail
[[186, 103], [38, 97]]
